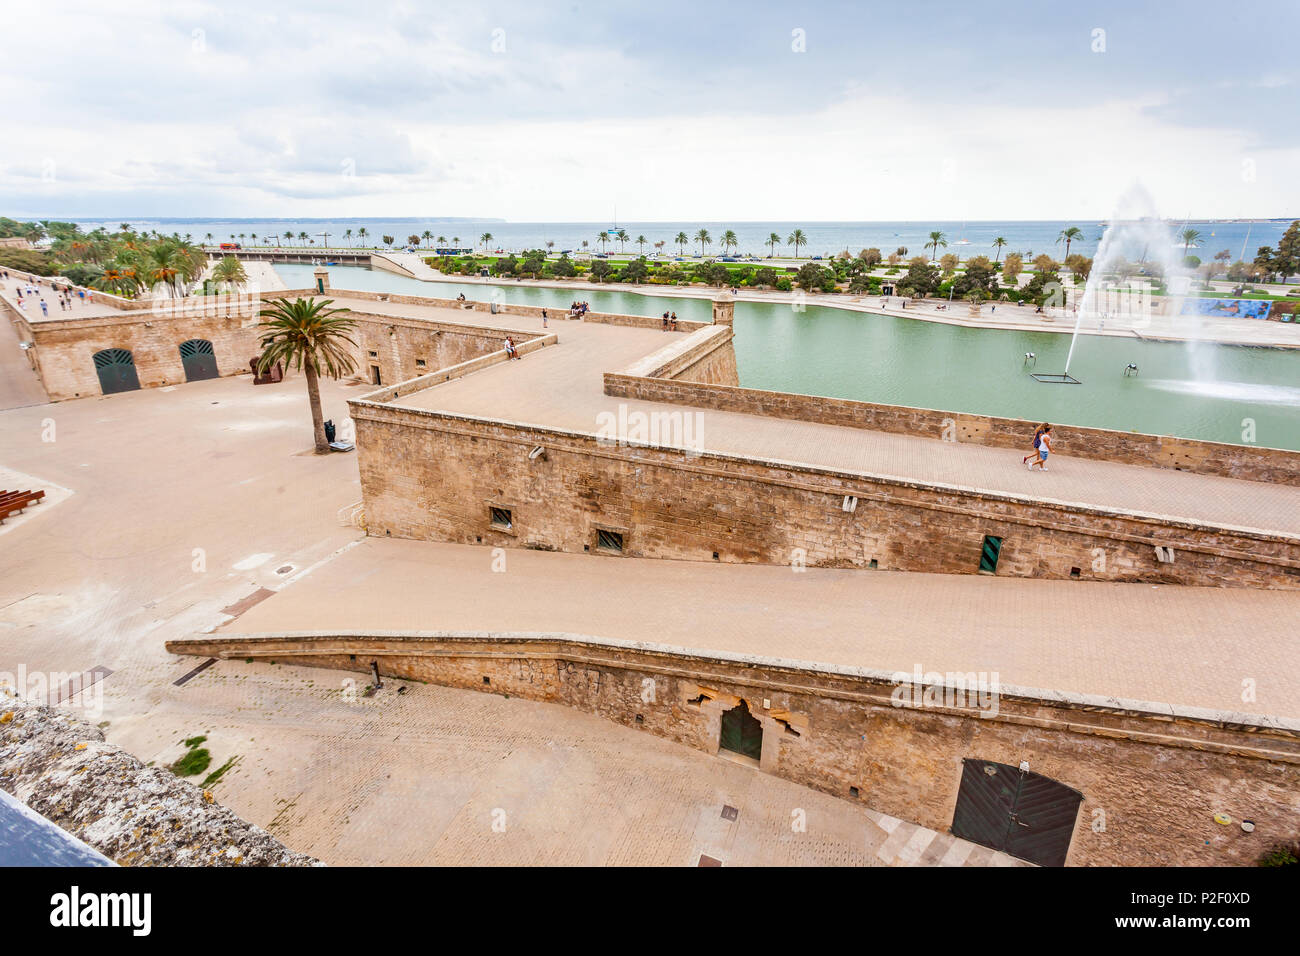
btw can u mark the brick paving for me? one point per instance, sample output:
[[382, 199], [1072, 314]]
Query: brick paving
[[1176, 645]]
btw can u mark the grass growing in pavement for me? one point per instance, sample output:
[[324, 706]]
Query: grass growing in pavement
[[216, 775], [196, 759]]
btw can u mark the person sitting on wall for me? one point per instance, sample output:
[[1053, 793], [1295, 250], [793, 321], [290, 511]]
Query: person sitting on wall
[[511, 351]]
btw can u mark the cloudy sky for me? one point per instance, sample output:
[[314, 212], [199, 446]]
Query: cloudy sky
[[666, 110]]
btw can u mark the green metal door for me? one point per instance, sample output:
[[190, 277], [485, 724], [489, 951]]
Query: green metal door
[[199, 360], [741, 732], [989, 554], [116, 369]]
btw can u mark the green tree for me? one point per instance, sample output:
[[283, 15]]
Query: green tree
[[1068, 235], [635, 271], [640, 242], [729, 240], [622, 238], [388, 241], [773, 240], [485, 239], [937, 239], [998, 243], [1188, 237], [229, 272], [361, 234], [797, 239], [704, 239], [600, 269], [765, 276], [307, 334], [681, 239]]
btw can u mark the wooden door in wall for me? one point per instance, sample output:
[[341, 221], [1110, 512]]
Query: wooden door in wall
[[1025, 814]]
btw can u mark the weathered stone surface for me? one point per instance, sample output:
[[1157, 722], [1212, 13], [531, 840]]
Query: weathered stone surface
[[1152, 776], [136, 815]]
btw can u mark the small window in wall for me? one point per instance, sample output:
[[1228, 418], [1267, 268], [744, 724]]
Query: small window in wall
[[609, 541], [374, 354], [989, 554], [419, 363], [501, 518]]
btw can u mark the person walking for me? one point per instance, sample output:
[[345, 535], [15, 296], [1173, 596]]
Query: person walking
[[1038, 434], [1044, 445]]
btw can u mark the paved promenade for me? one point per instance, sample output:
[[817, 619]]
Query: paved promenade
[[563, 387], [1177, 645]]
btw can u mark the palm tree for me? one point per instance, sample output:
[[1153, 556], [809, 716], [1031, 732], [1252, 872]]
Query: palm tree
[[208, 238], [288, 236], [229, 271], [485, 239], [1189, 238], [427, 235], [773, 240], [797, 239], [998, 243], [308, 335], [937, 239], [704, 239], [729, 240], [361, 234], [1069, 235], [622, 238], [347, 235], [681, 239], [302, 237], [640, 241], [455, 241]]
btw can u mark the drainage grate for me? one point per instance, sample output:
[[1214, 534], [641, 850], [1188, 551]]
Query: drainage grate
[[610, 541], [186, 678], [730, 813]]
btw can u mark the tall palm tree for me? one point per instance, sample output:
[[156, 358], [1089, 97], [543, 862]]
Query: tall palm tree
[[640, 241], [309, 335], [302, 237], [704, 239], [208, 238], [229, 272], [288, 236], [937, 239], [427, 235], [773, 240], [681, 239], [797, 239], [1189, 238], [485, 239], [455, 241], [361, 234], [602, 238], [622, 238], [347, 235], [729, 240], [998, 243], [1069, 235]]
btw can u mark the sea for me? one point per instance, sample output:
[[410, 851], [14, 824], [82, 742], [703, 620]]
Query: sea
[[1030, 238]]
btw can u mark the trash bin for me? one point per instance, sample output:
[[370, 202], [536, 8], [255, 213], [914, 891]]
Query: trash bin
[[329, 430]]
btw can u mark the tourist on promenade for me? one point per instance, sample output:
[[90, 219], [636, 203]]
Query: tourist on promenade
[[672, 322], [665, 322], [511, 351], [45, 309], [1038, 432], [544, 325], [1043, 442]]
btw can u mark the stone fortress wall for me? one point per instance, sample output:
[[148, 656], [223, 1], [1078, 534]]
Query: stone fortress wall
[[1151, 776]]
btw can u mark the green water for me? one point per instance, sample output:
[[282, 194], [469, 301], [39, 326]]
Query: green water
[[1211, 392]]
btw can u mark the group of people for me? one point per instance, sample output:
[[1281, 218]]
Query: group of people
[[670, 321], [63, 294], [578, 309]]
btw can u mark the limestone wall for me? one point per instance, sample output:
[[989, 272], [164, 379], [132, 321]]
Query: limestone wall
[[1203, 457], [1152, 776], [433, 476]]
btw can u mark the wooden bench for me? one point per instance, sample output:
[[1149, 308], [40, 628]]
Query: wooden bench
[[13, 502]]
